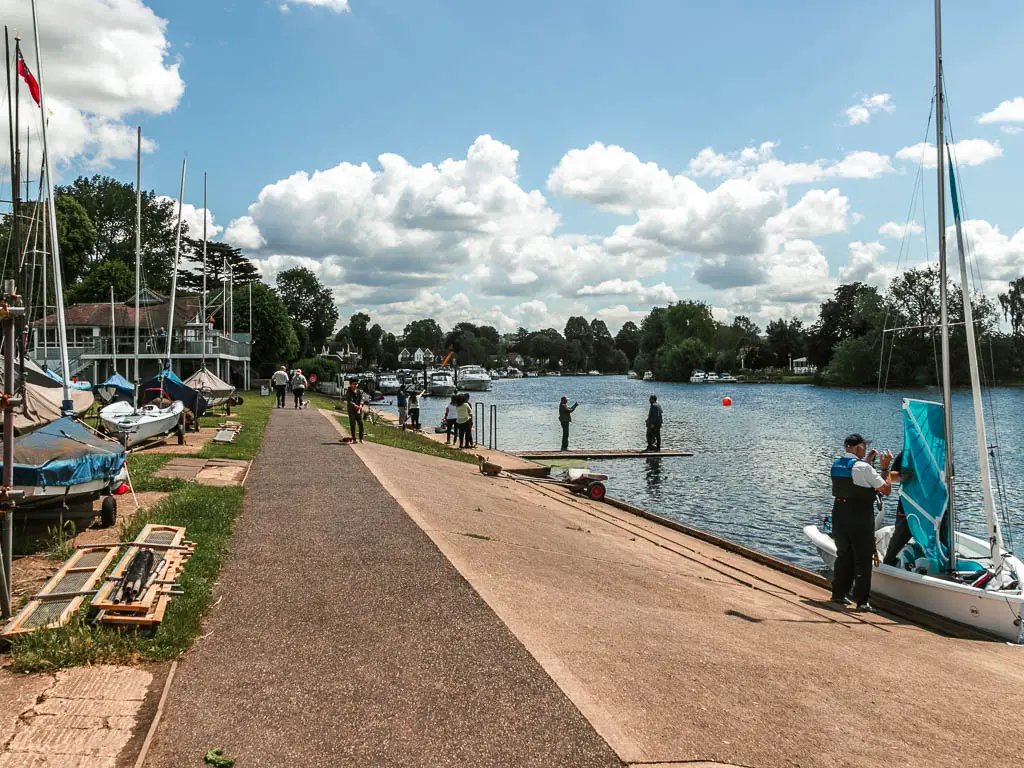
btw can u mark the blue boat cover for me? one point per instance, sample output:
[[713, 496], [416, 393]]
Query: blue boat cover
[[924, 493], [85, 386], [175, 389], [65, 452], [118, 382]]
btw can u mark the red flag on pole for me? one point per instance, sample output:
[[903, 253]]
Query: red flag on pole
[[28, 77]]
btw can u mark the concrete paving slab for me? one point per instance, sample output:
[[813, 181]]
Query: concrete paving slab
[[678, 651], [17, 695], [105, 683], [23, 760]]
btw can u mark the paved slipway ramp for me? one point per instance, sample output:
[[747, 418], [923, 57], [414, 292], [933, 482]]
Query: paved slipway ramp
[[343, 637]]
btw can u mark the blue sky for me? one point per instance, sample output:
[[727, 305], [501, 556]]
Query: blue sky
[[269, 92]]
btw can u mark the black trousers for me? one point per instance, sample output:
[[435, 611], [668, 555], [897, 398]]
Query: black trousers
[[853, 528], [465, 438], [653, 436], [355, 417], [565, 435], [900, 536], [298, 396], [451, 430], [280, 389], [414, 417]]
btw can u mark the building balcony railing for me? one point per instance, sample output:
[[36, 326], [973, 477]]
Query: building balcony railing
[[150, 344]]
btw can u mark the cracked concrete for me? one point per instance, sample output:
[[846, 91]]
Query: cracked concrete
[[77, 718]]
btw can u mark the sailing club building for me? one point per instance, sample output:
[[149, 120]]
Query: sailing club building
[[94, 338]]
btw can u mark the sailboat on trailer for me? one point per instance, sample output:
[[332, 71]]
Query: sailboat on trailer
[[132, 422], [977, 582]]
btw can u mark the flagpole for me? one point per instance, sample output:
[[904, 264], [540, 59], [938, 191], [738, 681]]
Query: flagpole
[[67, 407]]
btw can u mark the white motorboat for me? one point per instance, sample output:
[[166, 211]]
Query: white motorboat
[[727, 378], [389, 384], [593, 373], [136, 426], [495, 375], [648, 375], [554, 373], [513, 373], [530, 375], [698, 377], [633, 375], [473, 378], [711, 378], [977, 582], [441, 384]]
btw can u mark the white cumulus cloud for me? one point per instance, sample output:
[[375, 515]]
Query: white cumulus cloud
[[193, 219], [868, 106], [899, 231], [865, 266], [1009, 111], [103, 61], [338, 6], [965, 152]]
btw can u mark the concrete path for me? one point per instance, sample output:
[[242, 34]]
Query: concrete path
[[343, 637], [677, 651]]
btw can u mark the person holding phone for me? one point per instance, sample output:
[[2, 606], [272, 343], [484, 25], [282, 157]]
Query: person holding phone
[[855, 484], [564, 418]]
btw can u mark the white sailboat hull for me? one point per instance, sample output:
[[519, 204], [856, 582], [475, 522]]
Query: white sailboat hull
[[997, 612], [136, 427]]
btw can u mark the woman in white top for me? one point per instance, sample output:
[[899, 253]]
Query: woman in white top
[[451, 418]]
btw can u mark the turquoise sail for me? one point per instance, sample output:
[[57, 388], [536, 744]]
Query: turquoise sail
[[924, 492]]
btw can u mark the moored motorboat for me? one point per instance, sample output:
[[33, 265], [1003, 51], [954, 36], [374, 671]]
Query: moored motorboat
[[473, 378], [441, 384], [648, 375], [389, 384], [698, 377]]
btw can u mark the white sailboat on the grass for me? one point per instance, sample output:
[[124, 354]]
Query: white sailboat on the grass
[[978, 582], [136, 424]]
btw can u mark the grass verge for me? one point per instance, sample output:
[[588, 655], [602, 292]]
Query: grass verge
[[254, 413], [209, 515], [385, 434]]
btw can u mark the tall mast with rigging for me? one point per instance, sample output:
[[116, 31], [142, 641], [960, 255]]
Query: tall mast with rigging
[[174, 269], [138, 257], [203, 318], [943, 298]]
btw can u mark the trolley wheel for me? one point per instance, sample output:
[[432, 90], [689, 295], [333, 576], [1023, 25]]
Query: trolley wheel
[[596, 491], [108, 512]]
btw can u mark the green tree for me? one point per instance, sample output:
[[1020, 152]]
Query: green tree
[[854, 363], [677, 361], [76, 238], [627, 341], [603, 356], [221, 259], [579, 338], [390, 347], [274, 341], [309, 303], [785, 340], [424, 334], [110, 206], [854, 310], [1012, 303], [96, 285]]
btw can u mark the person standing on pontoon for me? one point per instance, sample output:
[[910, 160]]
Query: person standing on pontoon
[[280, 382], [564, 418], [855, 484], [654, 419]]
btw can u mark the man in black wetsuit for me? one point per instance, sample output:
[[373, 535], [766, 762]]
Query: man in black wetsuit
[[654, 419], [564, 418]]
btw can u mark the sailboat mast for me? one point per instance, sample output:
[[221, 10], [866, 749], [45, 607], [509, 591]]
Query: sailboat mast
[[174, 270], [138, 256], [203, 318], [943, 298], [67, 407], [113, 331]]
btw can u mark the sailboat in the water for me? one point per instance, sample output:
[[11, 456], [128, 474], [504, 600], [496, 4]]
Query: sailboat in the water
[[132, 422], [976, 582]]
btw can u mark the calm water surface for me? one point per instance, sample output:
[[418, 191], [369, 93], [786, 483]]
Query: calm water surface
[[760, 469]]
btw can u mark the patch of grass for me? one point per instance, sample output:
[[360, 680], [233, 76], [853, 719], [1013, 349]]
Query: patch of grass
[[142, 466], [410, 441], [209, 516], [61, 544], [254, 413]]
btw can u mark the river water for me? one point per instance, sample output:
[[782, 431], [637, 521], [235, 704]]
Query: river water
[[760, 467]]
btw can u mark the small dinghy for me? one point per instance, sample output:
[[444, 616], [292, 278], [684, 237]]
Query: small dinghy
[[215, 391]]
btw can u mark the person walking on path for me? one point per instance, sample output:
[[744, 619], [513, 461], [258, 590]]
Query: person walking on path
[[299, 387], [451, 420], [280, 382], [654, 419], [354, 401], [402, 399], [855, 484], [464, 415], [565, 417], [414, 409]]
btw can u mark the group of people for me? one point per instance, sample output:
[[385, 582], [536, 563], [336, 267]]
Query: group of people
[[655, 418], [409, 408], [282, 381], [458, 421], [856, 485]]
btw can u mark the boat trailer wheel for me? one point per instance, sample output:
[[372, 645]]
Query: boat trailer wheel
[[596, 490], [108, 512]]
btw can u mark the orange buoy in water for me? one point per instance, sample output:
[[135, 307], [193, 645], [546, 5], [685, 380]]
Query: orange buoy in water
[[726, 401]]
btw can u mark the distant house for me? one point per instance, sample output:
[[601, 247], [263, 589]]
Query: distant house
[[404, 356], [514, 358], [346, 355], [422, 356], [802, 367]]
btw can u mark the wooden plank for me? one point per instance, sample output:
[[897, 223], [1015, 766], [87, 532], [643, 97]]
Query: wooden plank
[[599, 453], [50, 591]]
